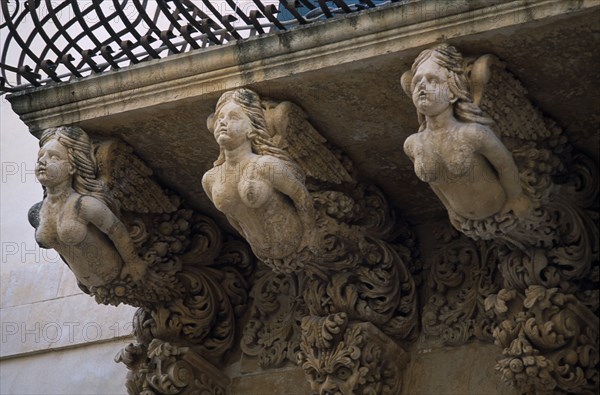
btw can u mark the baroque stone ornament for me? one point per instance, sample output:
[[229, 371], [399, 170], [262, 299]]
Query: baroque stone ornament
[[128, 241], [272, 333], [461, 275], [530, 197], [334, 245], [349, 359]]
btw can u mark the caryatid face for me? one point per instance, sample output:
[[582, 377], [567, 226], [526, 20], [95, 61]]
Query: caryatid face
[[232, 126], [53, 167], [430, 92]]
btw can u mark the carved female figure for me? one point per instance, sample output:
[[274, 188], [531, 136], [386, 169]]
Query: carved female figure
[[77, 217], [464, 162], [254, 183]]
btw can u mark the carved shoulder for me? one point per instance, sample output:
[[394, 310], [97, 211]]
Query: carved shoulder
[[207, 181], [91, 210], [479, 136], [411, 145]]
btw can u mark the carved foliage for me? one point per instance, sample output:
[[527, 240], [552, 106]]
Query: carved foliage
[[461, 275], [163, 368], [546, 310], [273, 332], [357, 271], [550, 341], [356, 267]]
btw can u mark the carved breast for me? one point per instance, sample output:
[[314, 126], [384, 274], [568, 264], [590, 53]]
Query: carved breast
[[59, 226], [254, 193], [435, 161], [71, 231], [45, 234]]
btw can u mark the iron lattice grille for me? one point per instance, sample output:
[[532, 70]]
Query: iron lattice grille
[[45, 41]]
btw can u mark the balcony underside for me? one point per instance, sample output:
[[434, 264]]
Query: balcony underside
[[345, 73]]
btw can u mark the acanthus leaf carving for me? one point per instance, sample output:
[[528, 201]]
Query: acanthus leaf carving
[[462, 276]]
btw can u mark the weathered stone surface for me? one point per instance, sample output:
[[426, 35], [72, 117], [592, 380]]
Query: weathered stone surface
[[289, 381], [530, 201], [454, 371], [62, 322]]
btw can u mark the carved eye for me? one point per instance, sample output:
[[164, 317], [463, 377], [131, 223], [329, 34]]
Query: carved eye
[[343, 373]]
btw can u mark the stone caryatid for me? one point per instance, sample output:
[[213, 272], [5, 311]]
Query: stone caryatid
[[455, 151], [78, 216], [258, 181], [333, 245], [508, 176], [129, 241]]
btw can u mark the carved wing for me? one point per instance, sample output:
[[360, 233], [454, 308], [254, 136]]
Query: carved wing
[[129, 180], [293, 133], [497, 92]]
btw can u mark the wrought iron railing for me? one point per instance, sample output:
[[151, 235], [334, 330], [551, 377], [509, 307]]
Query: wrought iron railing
[[45, 41]]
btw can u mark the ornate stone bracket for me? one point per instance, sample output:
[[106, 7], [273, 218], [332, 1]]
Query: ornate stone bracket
[[128, 241], [543, 231], [336, 251]]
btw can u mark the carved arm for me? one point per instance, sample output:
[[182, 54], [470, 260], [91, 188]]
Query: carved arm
[[287, 182], [490, 146], [93, 211]]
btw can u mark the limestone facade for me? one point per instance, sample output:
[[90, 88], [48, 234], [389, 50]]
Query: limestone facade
[[345, 238]]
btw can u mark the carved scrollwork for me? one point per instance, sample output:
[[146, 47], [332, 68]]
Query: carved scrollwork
[[272, 333], [462, 274], [550, 343], [334, 245], [164, 368], [129, 241]]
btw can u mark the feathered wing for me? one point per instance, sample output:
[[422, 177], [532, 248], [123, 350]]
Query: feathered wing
[[535, 141], [129, 180], [502, 97], [292, 132]]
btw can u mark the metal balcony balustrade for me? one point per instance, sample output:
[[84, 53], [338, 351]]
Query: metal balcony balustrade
[[45, 41]]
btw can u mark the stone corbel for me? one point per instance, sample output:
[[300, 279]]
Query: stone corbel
[[129, 241], [334, 248], [509, 179]]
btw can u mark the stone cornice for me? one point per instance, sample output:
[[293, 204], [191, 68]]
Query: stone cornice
[[393, 29]]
